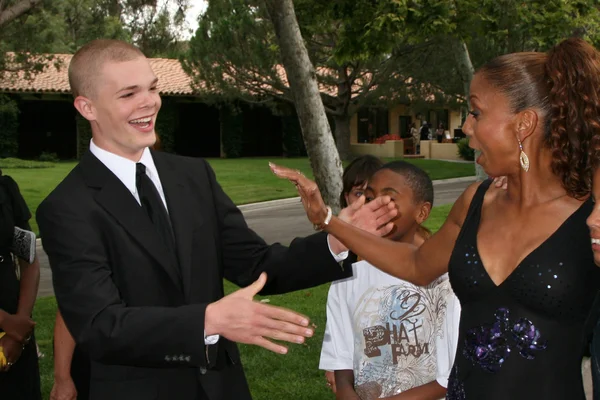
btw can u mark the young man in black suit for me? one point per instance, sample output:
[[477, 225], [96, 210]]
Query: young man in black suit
[[140, 241]]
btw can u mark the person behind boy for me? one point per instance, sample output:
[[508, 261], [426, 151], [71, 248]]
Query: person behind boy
[[389, 338], [354, 183]]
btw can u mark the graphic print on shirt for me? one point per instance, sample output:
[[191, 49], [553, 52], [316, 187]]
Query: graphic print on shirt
[[399, 326]]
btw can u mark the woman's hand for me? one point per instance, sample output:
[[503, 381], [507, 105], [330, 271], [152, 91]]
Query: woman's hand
[[18, 327], [313, 203], [12, 351]]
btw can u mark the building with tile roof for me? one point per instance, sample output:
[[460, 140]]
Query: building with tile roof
[[49, 123]]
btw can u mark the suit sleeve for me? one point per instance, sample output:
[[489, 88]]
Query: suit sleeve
[[307, 262], [101, 323]]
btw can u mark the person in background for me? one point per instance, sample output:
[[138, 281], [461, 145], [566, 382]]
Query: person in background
[[416, 138], [439, 133], [385, 334], [19, 369], [354, 183]]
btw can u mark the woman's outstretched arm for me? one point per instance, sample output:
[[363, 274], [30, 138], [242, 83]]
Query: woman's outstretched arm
[[405, 261]]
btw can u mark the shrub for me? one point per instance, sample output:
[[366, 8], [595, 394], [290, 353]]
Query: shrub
[[51, 157], [9, 127], [232, 128], [464, 151], [15, 163]]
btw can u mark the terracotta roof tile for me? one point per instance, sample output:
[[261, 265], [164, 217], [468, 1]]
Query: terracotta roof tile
[[172, 79]]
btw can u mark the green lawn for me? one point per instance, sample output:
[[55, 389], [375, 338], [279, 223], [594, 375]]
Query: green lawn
[[245, 180], [293, 376]]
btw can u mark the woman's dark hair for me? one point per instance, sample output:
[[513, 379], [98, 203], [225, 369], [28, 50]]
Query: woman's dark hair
[[357, 173], [419, 182], [563, 84]]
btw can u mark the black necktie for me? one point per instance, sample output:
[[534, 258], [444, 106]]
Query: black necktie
[[154, 207]]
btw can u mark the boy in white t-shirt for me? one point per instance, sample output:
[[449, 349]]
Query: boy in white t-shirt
[[385, 337]]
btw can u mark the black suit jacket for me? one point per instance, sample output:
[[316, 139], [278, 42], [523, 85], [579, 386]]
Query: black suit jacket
[[137, 310]]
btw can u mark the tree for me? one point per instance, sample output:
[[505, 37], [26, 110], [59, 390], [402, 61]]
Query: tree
[[235, 53], [11, 10], [304, 88]]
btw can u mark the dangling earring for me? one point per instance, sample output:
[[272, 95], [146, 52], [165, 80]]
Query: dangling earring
[[523, 158]]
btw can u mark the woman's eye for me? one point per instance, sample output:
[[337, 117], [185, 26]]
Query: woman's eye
[[474, 113], [358, 193]]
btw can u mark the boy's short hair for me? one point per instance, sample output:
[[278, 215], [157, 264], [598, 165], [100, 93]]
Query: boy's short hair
[[420, 183], [416, 178], [357, 173], [87, 62]]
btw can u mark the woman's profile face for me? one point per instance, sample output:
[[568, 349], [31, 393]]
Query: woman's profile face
[[490, 127]]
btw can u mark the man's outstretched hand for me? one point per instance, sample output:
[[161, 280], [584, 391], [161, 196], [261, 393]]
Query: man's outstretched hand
[[240, 318]]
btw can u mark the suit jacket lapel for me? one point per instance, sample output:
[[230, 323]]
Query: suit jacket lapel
[[184, 215], [114, 197]]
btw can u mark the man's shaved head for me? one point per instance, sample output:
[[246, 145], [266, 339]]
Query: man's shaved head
[[87, 63]]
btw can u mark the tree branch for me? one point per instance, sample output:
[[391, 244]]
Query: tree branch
[[17, 10]]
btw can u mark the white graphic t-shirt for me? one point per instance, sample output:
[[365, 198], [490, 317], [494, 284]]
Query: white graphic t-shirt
[[394, 335]]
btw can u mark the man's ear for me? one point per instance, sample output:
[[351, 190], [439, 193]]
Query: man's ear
[[423, 212], [85, 108]]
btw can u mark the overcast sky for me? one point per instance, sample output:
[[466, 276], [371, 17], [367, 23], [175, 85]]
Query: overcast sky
[[196, 7]]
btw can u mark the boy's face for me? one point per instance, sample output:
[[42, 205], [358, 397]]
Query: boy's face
[[124, 107], [389, 183], [593, 220]]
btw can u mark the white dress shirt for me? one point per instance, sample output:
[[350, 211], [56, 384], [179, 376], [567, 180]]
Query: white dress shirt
[[125, 170]]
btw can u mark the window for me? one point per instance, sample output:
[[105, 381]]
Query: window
[[372, 123]]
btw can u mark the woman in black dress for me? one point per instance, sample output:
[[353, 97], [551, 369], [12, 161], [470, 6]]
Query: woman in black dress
[[518, 259], [19, 378]]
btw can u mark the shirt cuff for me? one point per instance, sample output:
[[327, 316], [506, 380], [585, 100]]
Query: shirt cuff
[[210, 340], [338, 257]]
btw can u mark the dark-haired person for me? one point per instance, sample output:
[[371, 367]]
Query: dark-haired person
[[19, 371], [354, 182], [518, 259]]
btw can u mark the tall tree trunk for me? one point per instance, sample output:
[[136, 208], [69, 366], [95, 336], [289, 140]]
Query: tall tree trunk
[[16, 10], [316, 132], [466, 71], [342, 136]]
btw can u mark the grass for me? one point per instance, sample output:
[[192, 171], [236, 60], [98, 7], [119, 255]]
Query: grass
[[245, 180], [271, 376]]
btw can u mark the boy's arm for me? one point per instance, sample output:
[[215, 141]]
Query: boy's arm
[[428, 391], [344, 381]]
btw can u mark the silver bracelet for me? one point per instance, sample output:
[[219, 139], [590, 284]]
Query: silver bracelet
[[326, 221]]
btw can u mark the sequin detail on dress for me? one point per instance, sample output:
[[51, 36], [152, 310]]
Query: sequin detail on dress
[[456, 389], [488, 346]]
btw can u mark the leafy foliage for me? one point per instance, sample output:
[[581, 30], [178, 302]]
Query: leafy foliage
[[232, 129], [464, 151], [9, 127]]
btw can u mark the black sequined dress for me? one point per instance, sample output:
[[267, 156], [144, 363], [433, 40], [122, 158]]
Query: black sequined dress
[[524, 338]]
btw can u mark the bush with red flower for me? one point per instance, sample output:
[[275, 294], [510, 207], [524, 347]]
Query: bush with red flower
[[384, 138]]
